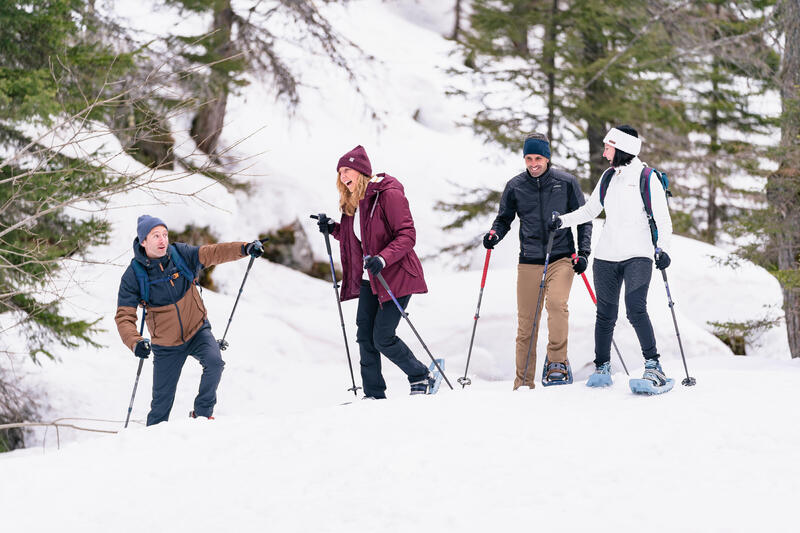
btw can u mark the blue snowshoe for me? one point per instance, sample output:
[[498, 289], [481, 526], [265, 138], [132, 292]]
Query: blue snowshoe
[[556, 373], [653, 381], [601, 376], [436, 376]]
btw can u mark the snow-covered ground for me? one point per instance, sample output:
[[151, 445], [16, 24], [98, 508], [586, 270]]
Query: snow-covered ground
[[283, 454]]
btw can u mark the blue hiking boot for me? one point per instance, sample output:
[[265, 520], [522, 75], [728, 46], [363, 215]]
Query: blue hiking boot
[[653, 380], [601, 376]]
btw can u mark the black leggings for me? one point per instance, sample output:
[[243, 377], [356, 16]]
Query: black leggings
[[608, 279]]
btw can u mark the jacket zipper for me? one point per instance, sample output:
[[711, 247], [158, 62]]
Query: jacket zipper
[[541, 214]]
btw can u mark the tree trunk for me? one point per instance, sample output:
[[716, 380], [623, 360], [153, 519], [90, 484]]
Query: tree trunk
[[713, 180], [207, 124], [550, 65], [783, 187], [457, 25], [594, 97]]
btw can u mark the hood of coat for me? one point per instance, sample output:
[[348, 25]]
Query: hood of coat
[[382, 182], [141, 257]]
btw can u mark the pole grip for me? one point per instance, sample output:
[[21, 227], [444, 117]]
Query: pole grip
[[485, 268], [586, 282]]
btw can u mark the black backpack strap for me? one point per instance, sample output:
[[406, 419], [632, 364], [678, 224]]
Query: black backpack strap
[[605, 180], [644, 190]]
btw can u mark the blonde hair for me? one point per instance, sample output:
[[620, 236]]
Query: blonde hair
[[348, 201]]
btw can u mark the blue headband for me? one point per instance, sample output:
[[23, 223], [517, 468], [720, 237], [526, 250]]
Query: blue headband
[[536, 146]]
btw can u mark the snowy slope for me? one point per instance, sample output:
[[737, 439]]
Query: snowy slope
[[283, 454]]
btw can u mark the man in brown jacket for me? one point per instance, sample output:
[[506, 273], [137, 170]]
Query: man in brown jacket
[[162, 279]]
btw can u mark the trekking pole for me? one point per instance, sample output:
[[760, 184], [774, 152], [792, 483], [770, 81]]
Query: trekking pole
[[223, 344], [594, 299], [138, 371], [538, 303], [688, 381], [403, 313], [325, 233], [465, 380]]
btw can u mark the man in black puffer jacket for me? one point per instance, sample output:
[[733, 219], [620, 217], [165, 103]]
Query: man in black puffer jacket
[[534, 195]]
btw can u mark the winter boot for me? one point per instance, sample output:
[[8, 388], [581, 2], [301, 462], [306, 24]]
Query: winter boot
[[193, 415], [601, 376], [421, 386], [653, 380]]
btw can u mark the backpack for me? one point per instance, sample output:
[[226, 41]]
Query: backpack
[[644, 191], [144, 280]]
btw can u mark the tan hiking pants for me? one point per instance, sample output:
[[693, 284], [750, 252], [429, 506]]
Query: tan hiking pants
[[556, 295]]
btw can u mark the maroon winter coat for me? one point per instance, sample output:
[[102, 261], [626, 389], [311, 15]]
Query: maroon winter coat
[[387, 230]]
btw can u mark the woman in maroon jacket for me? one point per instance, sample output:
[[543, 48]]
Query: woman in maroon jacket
[[382, 241]]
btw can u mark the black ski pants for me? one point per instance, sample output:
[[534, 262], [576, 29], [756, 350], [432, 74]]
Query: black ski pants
[[609, 276], [375, 335]]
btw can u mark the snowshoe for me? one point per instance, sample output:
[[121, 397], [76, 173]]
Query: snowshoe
[[601, 376], [436, 376], [653, 380], [556, 373]]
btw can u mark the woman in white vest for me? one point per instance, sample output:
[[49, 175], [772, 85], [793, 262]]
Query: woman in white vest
[[624, 254]]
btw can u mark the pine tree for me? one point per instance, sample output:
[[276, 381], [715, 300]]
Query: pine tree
[[598, 65], [239, 42], [45, 73], [725, 63], [783, 186]]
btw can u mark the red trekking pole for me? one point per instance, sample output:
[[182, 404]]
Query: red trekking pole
[[594, 299], [464, 381]]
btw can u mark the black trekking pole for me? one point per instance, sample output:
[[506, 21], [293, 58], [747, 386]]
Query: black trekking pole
[[539, 301], [594, 299], [688, 381], [223, 344], [325, 233], [138, 371], [403, 313], [465, 380]]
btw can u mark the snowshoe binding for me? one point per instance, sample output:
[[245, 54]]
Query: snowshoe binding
[[556, 373], [436, 376], [653, 380], [601, 376]]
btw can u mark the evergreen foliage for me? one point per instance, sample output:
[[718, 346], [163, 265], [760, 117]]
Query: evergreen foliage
[[598, 65], [734, 64], [46, 73]]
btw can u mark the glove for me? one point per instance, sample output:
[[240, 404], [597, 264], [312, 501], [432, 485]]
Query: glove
[[374, 265], [556, 221], [325, 225], [580, 263], [253, 249], [142, 348], [662, 260], [490, 240]]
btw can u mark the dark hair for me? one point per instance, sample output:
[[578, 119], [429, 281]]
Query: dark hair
[[623, 158]]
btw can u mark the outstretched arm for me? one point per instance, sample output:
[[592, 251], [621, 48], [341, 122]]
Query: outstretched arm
[[586, 212], [215, 254]]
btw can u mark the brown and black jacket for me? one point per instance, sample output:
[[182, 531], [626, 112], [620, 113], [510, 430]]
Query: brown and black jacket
[[175, 311]]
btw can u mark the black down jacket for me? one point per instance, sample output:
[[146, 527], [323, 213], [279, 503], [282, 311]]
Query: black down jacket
[[534, 200]]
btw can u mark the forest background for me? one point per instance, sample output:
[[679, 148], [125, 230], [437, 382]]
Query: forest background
[[713, 87]]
